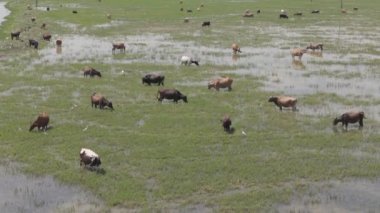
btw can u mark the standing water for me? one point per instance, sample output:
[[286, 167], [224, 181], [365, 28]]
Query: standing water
[[4, 12]]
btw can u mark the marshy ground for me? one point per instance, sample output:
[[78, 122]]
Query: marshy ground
[[176, 157]]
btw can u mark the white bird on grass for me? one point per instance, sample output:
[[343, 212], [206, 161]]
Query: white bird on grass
[[242, 132]]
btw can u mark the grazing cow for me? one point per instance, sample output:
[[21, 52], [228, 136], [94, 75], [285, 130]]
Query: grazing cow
[[283, 16], [33, 43], [350, 117], [46, 36], [153, 79], [224, 82], [206, 23], [97, 99], [91, 72], [189, 11], [226, 123], [15, 35], [315, 11], [58, 42], [284, 101], [41, 122], [170, 94], [33, 19], [315, 47], [356, 9], [186, 60], [298, 14], [258, 11], [235, 48], [43, 26], [89, 158], [120, 46], [297, 52], [75, 12]]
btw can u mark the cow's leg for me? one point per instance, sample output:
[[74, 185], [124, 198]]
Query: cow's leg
[[280, 108], [229, 88], [361, 122]]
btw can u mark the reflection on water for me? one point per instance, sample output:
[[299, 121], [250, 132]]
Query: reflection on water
[[318, 54], [58, 49], [298, 65], [337, 196], [22, 193]]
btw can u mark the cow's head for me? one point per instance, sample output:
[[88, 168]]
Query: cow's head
[[184, 98], [273, 99]]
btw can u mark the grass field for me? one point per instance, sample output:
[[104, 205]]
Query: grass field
[[174, 157]]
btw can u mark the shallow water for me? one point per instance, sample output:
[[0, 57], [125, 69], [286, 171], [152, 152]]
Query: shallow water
[[337, 196], [4, 12], [22, 193]]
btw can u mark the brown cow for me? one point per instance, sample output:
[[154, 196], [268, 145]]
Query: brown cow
[[91, 72], [46, 36], [235, 48], [58, 42], [350, 117], [41, 122], [297, 52], [224, 82], [284, 101], [97, 99], [315, 47], [120, 46]]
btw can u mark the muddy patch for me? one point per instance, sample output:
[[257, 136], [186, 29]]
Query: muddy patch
[[22, 193], [337, 196]]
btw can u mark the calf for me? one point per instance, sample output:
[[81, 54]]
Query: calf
[[173, 94], [41, 122], [284, 101], [46, 36], [33, 43], [235, 48], [224, 82], [350, 117], [120, 46], [101, 101], [89, 158], [226, 123], [153, 78]]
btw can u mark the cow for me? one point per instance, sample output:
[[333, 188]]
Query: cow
[[15, 35], [283, 16], [58, 42], [235, 48], [120, 46], [297, 52], [170, 94], [315, 11], [224, 82], [298, 14], [315, 47], [33, 43], [284, 101], [206, 23], [46, 36], [41, 122], [152, 78], [186, 60], [226, 123], [89, 158], [350, 117], [101, 101], [91, 72]]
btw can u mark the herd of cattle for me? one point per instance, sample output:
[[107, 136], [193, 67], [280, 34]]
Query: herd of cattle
[[91, 159]]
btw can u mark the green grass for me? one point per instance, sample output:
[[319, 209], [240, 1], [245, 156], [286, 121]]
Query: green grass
[[180, 148]]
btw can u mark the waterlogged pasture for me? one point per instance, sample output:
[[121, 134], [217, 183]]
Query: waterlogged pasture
[[176, 157]]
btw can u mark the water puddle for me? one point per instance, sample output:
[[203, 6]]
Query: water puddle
[[337, 196], [4, 12], [22, 193]]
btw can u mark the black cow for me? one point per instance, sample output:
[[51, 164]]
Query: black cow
[[15, 35], [315, 11], [206, 23], [33, 43], [283, 16], [170, 94], [153, 79]]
